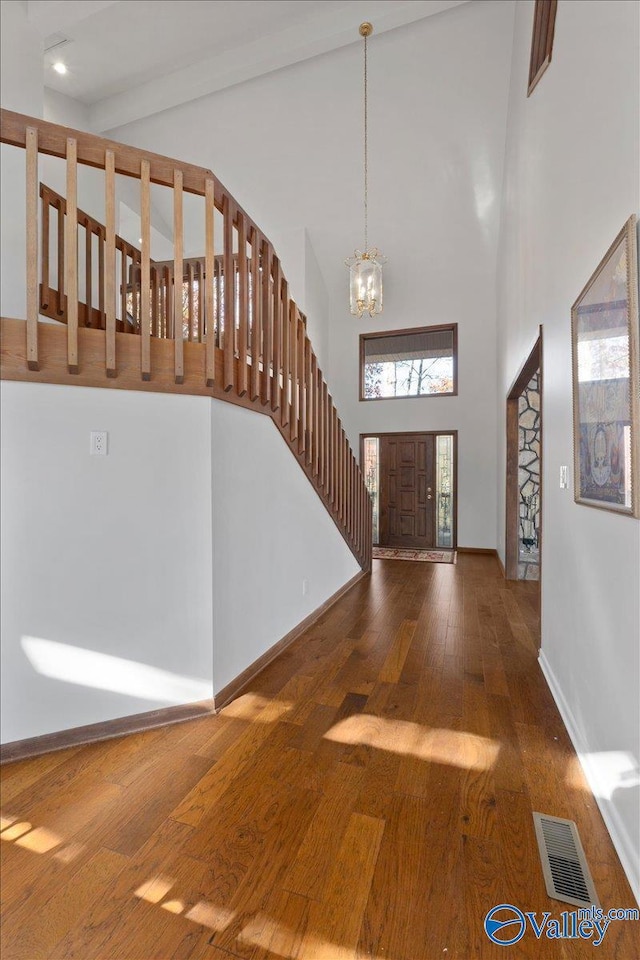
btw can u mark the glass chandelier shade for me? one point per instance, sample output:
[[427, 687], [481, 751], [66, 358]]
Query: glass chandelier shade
[[365, 267], [365, 282]]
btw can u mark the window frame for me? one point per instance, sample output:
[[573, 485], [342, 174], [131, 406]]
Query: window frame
[[541, 41], [378, 334]]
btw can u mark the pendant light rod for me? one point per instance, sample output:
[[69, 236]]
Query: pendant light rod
[[365, 266], [366, 29]]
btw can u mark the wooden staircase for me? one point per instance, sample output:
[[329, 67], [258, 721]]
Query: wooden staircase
[[126, 324]]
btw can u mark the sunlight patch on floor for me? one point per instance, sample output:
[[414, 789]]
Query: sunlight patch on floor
[[437, 745], [37, 839], [17, 830], [279, 940], [154, 890], [251, 706], [206, 914]]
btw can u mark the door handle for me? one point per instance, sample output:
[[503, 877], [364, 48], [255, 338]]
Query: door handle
[[429, 497]]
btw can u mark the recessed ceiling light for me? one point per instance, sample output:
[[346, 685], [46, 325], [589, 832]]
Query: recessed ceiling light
[[60, 67]]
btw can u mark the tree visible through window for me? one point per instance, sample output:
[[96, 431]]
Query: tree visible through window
[[409, 363]]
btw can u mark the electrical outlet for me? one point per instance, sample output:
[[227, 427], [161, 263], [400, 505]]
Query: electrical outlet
[[564, 478], [305, 587], [99, 443]]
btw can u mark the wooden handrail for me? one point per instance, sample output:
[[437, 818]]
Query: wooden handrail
[[229, 329]]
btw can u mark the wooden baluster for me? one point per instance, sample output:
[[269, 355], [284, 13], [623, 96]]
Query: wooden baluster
[[285, 339], [178, 275], [71, 259], [329, 461], [135, 293], [162, 304], [338, 458], [45, 293], [324, 435], [336, 463], [324, 430], [305, 402], [123, 289], [243, 307], [256, 314], [344, 470], [356, 507], [154, 302], [110, 263], [88, 272], [229, 296], [168, 303], [293, 365], [62, 307], [353, 499], [341, 473], [198, 273], [277, 334], [348, 486], [209, 275], [347, 489], [363, 495], [267, 322], [32, 247], [359, 519], [190, 302], [311, 377], [332, 454], [145, 271], [102, 322]]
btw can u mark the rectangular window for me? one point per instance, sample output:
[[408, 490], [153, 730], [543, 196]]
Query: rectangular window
[[409, 363], [544, 21]]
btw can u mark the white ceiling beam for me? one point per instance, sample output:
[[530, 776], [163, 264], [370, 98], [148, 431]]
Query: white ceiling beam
[[58, 16], [320, 35]]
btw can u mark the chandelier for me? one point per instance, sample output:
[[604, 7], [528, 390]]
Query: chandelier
[[365, 267]]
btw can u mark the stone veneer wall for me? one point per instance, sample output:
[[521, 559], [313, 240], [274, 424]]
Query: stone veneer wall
[[529, 479]]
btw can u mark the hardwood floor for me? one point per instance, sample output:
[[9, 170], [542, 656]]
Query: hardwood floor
[[370, 797]]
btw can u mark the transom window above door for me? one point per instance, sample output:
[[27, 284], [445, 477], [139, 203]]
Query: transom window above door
[[422, 362]]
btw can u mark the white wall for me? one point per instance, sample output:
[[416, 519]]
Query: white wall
[[155, 575], [289, 147], [65, 111], [21, 69], [20, 90], [572, 179], [271, 532], [105, 554]]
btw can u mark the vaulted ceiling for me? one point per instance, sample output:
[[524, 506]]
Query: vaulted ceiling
[[128, 59]]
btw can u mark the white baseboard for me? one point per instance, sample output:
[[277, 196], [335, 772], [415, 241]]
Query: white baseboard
[[622, 842]]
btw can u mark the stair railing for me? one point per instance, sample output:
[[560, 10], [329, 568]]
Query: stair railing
[[247, 338]]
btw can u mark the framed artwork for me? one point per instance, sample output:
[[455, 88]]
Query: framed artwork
[[606, 381]]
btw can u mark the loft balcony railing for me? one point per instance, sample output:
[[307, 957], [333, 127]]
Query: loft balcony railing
[[229, 329]]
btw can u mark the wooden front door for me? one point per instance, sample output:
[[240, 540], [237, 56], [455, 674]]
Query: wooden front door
[[407, 491]]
